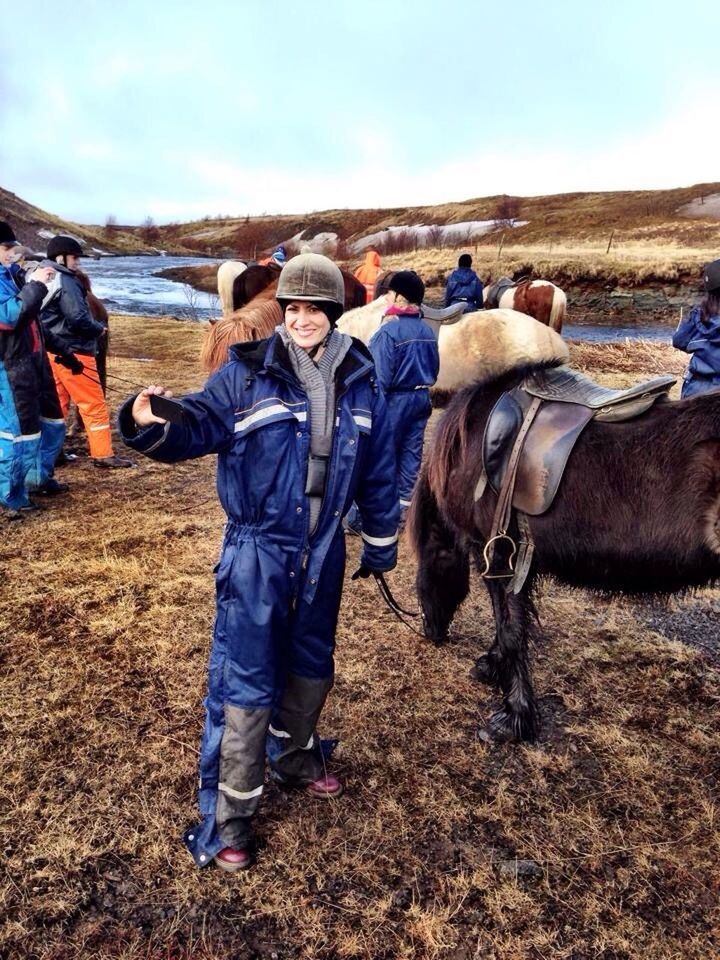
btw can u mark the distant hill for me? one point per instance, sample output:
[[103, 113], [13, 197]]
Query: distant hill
[[35, 227], [687, 216]]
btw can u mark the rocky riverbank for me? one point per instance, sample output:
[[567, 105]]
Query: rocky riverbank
[[598, 298]]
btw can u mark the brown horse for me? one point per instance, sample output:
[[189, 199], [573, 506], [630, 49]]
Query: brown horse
[[258, 278], [538, 298], [254, 322], [99, 313], [637, 512]]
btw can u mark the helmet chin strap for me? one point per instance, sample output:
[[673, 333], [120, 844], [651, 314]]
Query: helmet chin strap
[[313, 351]]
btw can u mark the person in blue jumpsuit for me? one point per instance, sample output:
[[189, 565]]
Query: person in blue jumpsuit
[[32, 427], [407, 361], [699, 334], [464, 286], [301, 429]]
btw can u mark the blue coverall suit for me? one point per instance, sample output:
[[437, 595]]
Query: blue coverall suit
[[701, 338], [464, 286], [278, 586], [407, 361], [32, 427]]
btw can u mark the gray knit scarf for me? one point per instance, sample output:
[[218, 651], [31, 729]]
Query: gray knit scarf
[[318, 381]]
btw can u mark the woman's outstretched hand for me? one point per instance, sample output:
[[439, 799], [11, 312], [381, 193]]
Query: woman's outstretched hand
[[141, 412]]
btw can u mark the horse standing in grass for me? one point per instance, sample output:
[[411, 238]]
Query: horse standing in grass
[[637, 512], [538, 298]]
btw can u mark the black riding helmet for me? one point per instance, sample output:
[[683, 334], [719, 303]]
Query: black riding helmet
[[409, 285], [711, 276], [62, 246], [7, 234]]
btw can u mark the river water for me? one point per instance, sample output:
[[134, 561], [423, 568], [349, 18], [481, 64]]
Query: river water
[[129, 285]]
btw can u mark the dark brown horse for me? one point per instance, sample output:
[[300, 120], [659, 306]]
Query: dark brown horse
[[99, 313], [258, 278], [637, 512]]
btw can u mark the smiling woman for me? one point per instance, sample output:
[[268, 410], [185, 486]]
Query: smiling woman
[[301, 430]]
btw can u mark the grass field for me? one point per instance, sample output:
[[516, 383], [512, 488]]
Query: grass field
[[600, 841]]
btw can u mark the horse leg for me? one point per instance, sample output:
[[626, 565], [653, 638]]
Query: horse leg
[[507, 664], [486, 665], [443, 576]]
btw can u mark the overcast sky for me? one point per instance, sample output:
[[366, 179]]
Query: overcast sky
[[180, 109]]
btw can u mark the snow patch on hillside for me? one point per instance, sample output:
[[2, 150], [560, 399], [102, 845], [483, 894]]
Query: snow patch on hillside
[[426, 235], [708, 206]]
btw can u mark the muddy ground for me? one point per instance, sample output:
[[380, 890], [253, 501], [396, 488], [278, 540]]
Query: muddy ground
[[599, 841]]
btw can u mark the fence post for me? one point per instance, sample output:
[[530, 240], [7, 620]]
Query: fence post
[[500, 246], [612, 234]]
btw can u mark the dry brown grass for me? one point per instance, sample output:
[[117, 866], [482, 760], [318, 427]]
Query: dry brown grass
[[567, 264], [106, 616]]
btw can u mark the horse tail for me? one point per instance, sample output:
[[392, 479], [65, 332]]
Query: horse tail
[[557, 311]]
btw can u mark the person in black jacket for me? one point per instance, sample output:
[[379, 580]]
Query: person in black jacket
[[73, 338]]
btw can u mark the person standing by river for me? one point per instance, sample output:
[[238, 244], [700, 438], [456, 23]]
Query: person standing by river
[[699, 335], [31, 423], [301, 429], [73, 340]]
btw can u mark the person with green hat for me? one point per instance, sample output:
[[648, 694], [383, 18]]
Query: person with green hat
[[301, 429]]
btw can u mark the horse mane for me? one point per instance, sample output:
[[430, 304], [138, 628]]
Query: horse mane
[[254, 322], [97, 307]]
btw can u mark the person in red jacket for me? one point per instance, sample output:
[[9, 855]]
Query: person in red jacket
[[368, 273]]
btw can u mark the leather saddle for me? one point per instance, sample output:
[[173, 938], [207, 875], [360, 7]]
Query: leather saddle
[[493, 293], [530, 434]]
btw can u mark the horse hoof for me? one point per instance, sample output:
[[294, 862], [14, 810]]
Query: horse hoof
[[484, 671], [501, 727], [438, 641]]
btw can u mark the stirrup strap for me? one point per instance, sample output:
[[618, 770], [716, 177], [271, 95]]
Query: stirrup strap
[[503, 508]]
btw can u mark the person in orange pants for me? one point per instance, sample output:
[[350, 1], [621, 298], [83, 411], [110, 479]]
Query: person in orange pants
[[72, 336], [78, 379]]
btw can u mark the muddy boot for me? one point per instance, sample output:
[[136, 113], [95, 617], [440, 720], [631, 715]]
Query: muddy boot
[[112, 463]]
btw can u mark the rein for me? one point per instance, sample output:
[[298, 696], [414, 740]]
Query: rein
[[400, 612]]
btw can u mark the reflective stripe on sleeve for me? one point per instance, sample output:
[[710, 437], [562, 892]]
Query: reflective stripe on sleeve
[[379, 541]]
